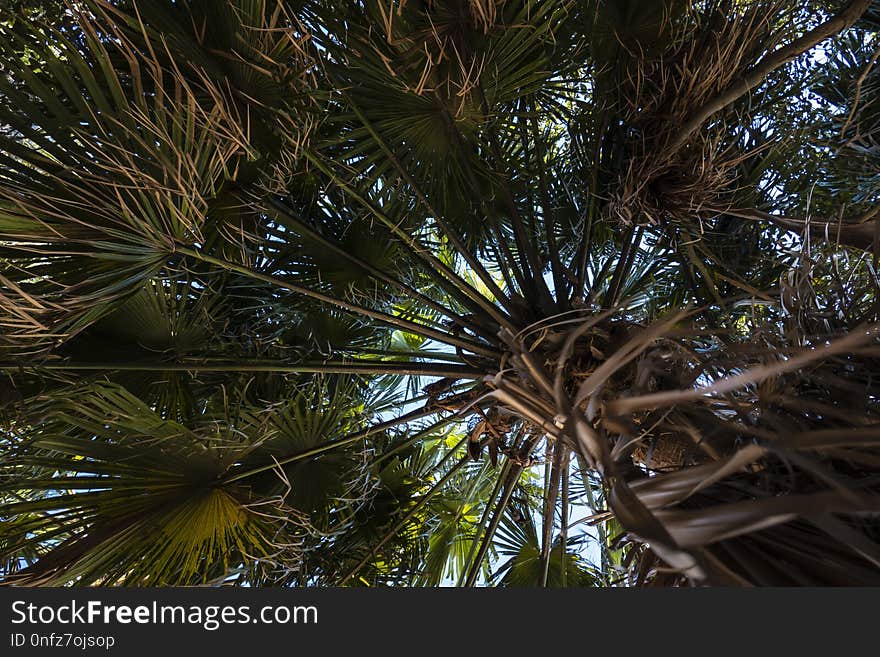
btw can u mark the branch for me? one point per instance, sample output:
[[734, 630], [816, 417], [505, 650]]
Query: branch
[[859, 232], [444, 227], [384, 318], [843, 20], [329, 445], [364, 367], [459, 286]]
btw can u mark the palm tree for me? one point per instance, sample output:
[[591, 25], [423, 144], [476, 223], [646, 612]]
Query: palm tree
[[439, 292]]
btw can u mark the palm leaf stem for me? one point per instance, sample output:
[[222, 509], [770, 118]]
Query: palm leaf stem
[[375, 272], [556, 268], [550, 510], [418, 506], [484, 518], [327, 367], [384, 318], [444, 227], [510, 482], [461, 288]]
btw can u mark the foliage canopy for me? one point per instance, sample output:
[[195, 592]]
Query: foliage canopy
[[423, 292]]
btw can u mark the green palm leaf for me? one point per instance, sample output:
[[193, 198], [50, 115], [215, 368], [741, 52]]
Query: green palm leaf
[[118, 495]]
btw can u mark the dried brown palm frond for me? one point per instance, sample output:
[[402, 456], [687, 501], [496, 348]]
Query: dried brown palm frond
[[149, 189], [708, 443], [441, 49], [679, 107], [428, 48], [707, 52], [135, 169]]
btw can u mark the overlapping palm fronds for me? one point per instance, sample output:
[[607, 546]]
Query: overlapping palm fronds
[[115, 494], [444, 292]]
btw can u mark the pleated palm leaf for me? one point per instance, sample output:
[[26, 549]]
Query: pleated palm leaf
[[522, 565], [117, 495]]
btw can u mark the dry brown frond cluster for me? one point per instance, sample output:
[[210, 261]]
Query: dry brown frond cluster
[[719, 431], [707, 56], [149, 175], [435, 42]]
